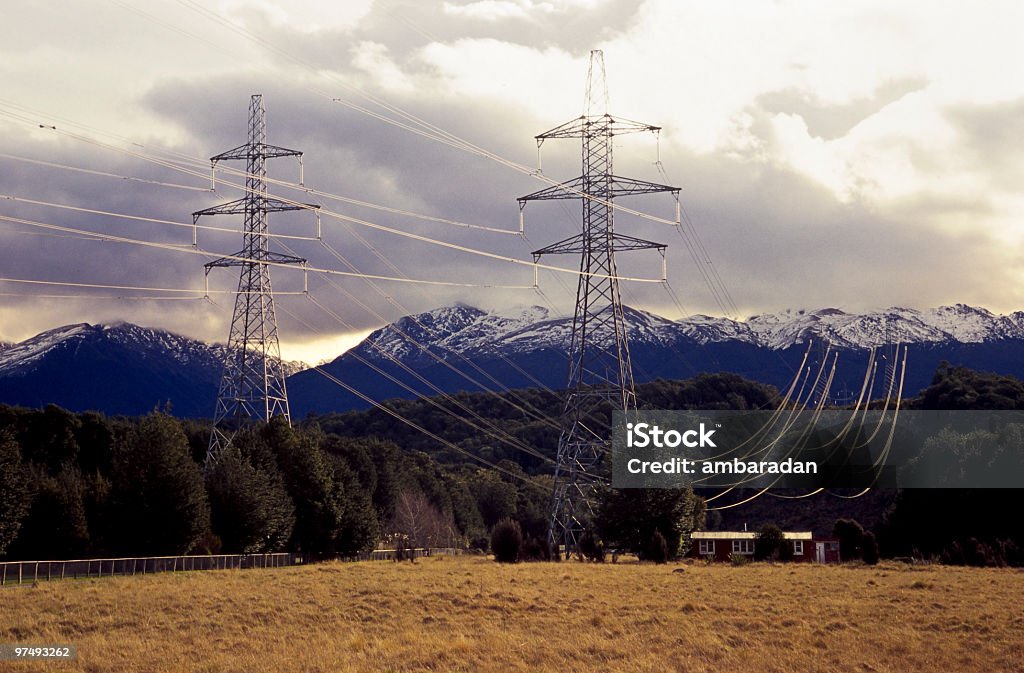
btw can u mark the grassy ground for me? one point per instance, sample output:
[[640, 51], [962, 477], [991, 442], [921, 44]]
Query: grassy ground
[[471, 614]]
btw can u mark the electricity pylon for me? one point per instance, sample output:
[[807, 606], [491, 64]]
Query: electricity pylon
[[252, 385], [600, 371]]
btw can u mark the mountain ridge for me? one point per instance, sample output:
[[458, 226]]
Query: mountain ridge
[[126, 368]]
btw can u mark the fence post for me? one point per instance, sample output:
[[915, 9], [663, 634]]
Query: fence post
[[3, 579]]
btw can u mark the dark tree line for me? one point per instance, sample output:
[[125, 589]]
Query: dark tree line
[[82, 485], [77, 485]]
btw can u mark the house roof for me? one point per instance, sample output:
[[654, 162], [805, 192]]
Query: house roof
[[744, 535]]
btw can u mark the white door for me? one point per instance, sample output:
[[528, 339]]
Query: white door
[[819, 550]]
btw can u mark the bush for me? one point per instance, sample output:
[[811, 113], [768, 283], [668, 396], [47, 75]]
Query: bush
[[851, 539], [870, 545], [656, 549], [771, 545], [534, 549], [506, 539], [739, 559], [591, 547]]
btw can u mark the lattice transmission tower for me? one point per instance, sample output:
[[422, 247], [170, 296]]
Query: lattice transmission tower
[[252, 385], [600, 371]]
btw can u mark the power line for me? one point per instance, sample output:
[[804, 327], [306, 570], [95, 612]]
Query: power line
[[199, 251], [367, 223]]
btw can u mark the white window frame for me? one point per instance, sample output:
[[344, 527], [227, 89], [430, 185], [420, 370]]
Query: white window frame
[[742, 546], [798, 547], [706, 547]]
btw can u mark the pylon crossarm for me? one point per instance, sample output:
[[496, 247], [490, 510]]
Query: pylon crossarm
[[270, 257], [273, 151], [566, 190], [584, 125], [240, 152], [615, 187], [622, 242], [238, 206], [573, 244], [631, 186], [244, 152], [577, 244]]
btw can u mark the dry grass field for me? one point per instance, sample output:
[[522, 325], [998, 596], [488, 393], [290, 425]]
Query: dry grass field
[[471, 614]]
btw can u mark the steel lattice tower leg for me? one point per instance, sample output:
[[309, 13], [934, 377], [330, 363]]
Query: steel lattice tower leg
[[600, 372], [252, 385]]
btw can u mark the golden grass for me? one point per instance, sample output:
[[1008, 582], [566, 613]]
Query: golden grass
[[471, 614]]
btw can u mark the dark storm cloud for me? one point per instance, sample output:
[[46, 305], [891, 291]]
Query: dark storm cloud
[[34, 253], [779, 240], [351, 154]]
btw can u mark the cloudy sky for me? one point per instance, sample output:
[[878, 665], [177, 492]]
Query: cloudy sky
[[856, 155]]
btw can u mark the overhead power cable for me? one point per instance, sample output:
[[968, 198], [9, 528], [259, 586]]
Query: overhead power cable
[[211, 255], [137, 288], [373, 225], [89, 171], [399, 417]]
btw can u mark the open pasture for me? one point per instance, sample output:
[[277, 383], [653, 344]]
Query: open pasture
[[471, 614]]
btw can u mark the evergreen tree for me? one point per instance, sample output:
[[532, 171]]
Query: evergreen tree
[[308, 478], [851, 539], [250, 510], [771, 544], [14, 489], [158, 500], [628, 518]]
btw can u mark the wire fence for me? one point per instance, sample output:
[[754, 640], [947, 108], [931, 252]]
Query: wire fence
[[22, 572], [28, 572]]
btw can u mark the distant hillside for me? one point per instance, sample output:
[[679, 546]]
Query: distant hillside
[[117, 369], [128, 369], [457, 348]]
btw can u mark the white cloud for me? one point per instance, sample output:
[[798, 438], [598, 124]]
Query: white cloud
[[502, 10], [308, 16]]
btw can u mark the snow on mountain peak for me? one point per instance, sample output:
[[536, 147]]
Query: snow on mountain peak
[[467, 330]]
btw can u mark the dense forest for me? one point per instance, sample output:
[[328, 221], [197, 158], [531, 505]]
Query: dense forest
[[85, 485]]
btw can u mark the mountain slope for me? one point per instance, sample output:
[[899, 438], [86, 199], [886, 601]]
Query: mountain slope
[[525, 347], [117, 369], [128, 369]]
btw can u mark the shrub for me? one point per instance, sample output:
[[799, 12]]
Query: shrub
[[506, 539], [851, 539], [738, 559], [591, 547], [771, 545], [534, 549], [657, 548], [870, 545]]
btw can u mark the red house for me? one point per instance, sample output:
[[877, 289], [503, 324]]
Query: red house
[[720, 545]]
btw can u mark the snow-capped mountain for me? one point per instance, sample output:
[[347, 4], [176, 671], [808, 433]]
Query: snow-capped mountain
[[466, 330], [124, 368], [449, 346], [116, 368]]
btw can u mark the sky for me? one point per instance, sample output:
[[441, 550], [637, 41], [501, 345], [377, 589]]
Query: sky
[[855, 155]]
